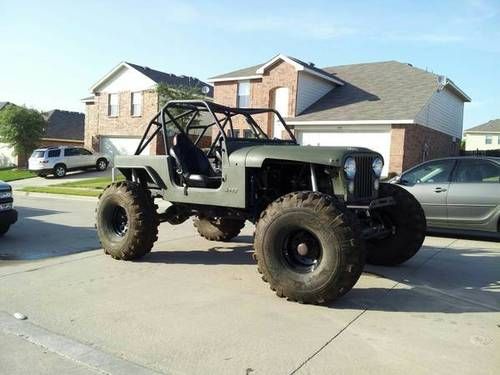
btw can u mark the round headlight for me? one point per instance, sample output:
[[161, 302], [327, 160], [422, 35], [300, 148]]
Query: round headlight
[[377, 166], [350, 168]]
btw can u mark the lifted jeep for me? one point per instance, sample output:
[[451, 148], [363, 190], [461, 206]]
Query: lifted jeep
[[319, 212]]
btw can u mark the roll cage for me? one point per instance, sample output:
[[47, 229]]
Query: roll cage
[[216, 115]]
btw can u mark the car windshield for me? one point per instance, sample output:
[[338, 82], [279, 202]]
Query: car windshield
[[38, 154], [432, 172]]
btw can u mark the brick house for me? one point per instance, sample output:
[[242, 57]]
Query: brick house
[[64, 128], [121, 105], [407, 114]]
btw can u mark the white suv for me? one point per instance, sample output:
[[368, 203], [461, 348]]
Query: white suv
[[59, 160]]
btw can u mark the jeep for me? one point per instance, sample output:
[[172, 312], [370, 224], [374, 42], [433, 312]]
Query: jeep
[[320, 213]]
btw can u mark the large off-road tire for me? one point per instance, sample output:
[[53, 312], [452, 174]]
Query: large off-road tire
[[126, 220], [408, 226], [308, 247], [219, 229]]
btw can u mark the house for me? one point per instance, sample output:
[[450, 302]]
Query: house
[[64, 128], [407, 114], [483, 137], [123, 102]]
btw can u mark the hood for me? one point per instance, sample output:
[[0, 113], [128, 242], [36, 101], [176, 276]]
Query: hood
[[256, 155], [4, 186]]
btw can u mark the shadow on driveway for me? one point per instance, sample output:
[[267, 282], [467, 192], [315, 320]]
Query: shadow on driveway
[[446, 280], [34, 238]]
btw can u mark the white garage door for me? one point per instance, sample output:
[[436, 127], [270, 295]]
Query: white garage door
[[379, 141], [121, 146]]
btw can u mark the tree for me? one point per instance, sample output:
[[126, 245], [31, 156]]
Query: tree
[[168, 92], [21, 128]]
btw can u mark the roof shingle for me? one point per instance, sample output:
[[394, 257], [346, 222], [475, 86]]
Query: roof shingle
[[171, 79], [65, 125], [490, 126], [387, 90]]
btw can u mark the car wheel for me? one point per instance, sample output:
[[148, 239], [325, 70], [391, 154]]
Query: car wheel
[[308, 247], [101, 164], [60, 170], [4, 228]]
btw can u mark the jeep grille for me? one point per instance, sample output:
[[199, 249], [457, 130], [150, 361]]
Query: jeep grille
[[364, 178]]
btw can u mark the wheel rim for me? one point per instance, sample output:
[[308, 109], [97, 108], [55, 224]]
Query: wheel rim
[[102, 165], [60, 171], [119, 221], [302, 251]]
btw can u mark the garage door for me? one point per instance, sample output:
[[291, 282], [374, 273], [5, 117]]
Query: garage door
[[379, 141], [121, 146]]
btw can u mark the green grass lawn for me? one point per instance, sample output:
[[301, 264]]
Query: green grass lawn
[[12, 174], [89, 188]]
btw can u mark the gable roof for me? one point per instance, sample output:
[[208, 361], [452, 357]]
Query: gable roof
[[492, 126], [257, 71], [64, 125], [382, 91], [3, 104], [156, 76]]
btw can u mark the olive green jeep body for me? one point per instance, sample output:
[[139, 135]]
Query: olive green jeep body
[[319, 212]]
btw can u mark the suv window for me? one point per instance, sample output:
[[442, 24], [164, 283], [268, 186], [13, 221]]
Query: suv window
[[38, 154], [71, 152], [433, 172], [474, 171], [54, 153], [84, 151]]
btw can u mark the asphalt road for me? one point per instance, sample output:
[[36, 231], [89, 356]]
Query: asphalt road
[[197, 307]]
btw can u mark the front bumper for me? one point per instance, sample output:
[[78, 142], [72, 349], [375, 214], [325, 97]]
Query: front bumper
[[40, 170], [8, 217]]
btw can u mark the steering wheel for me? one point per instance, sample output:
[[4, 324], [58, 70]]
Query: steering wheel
[[218, 153]]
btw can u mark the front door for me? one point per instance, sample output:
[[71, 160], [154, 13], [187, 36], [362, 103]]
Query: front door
[[72, 158], [474, 195], [429, 183]]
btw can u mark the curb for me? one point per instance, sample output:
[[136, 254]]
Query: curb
[[54, 196]]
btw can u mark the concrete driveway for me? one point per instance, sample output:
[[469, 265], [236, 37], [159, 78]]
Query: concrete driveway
[[199, 307], [51, 180]]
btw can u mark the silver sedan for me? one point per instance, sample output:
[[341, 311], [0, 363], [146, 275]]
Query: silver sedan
[[459, 194]]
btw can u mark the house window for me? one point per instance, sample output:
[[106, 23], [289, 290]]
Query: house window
[[136, 104], [488, 139], [247, 133], [243, 98], [113, 105], [236, 133]]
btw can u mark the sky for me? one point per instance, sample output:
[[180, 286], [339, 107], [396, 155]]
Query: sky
[[52, 52]]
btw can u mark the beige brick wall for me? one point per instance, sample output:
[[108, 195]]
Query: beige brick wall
[[281, 74], [408, 143], [98, 123]]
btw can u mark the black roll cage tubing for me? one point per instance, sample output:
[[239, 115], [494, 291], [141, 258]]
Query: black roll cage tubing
[[193, 108]]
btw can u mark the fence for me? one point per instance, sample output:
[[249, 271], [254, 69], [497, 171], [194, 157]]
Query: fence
[[480, 153]]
